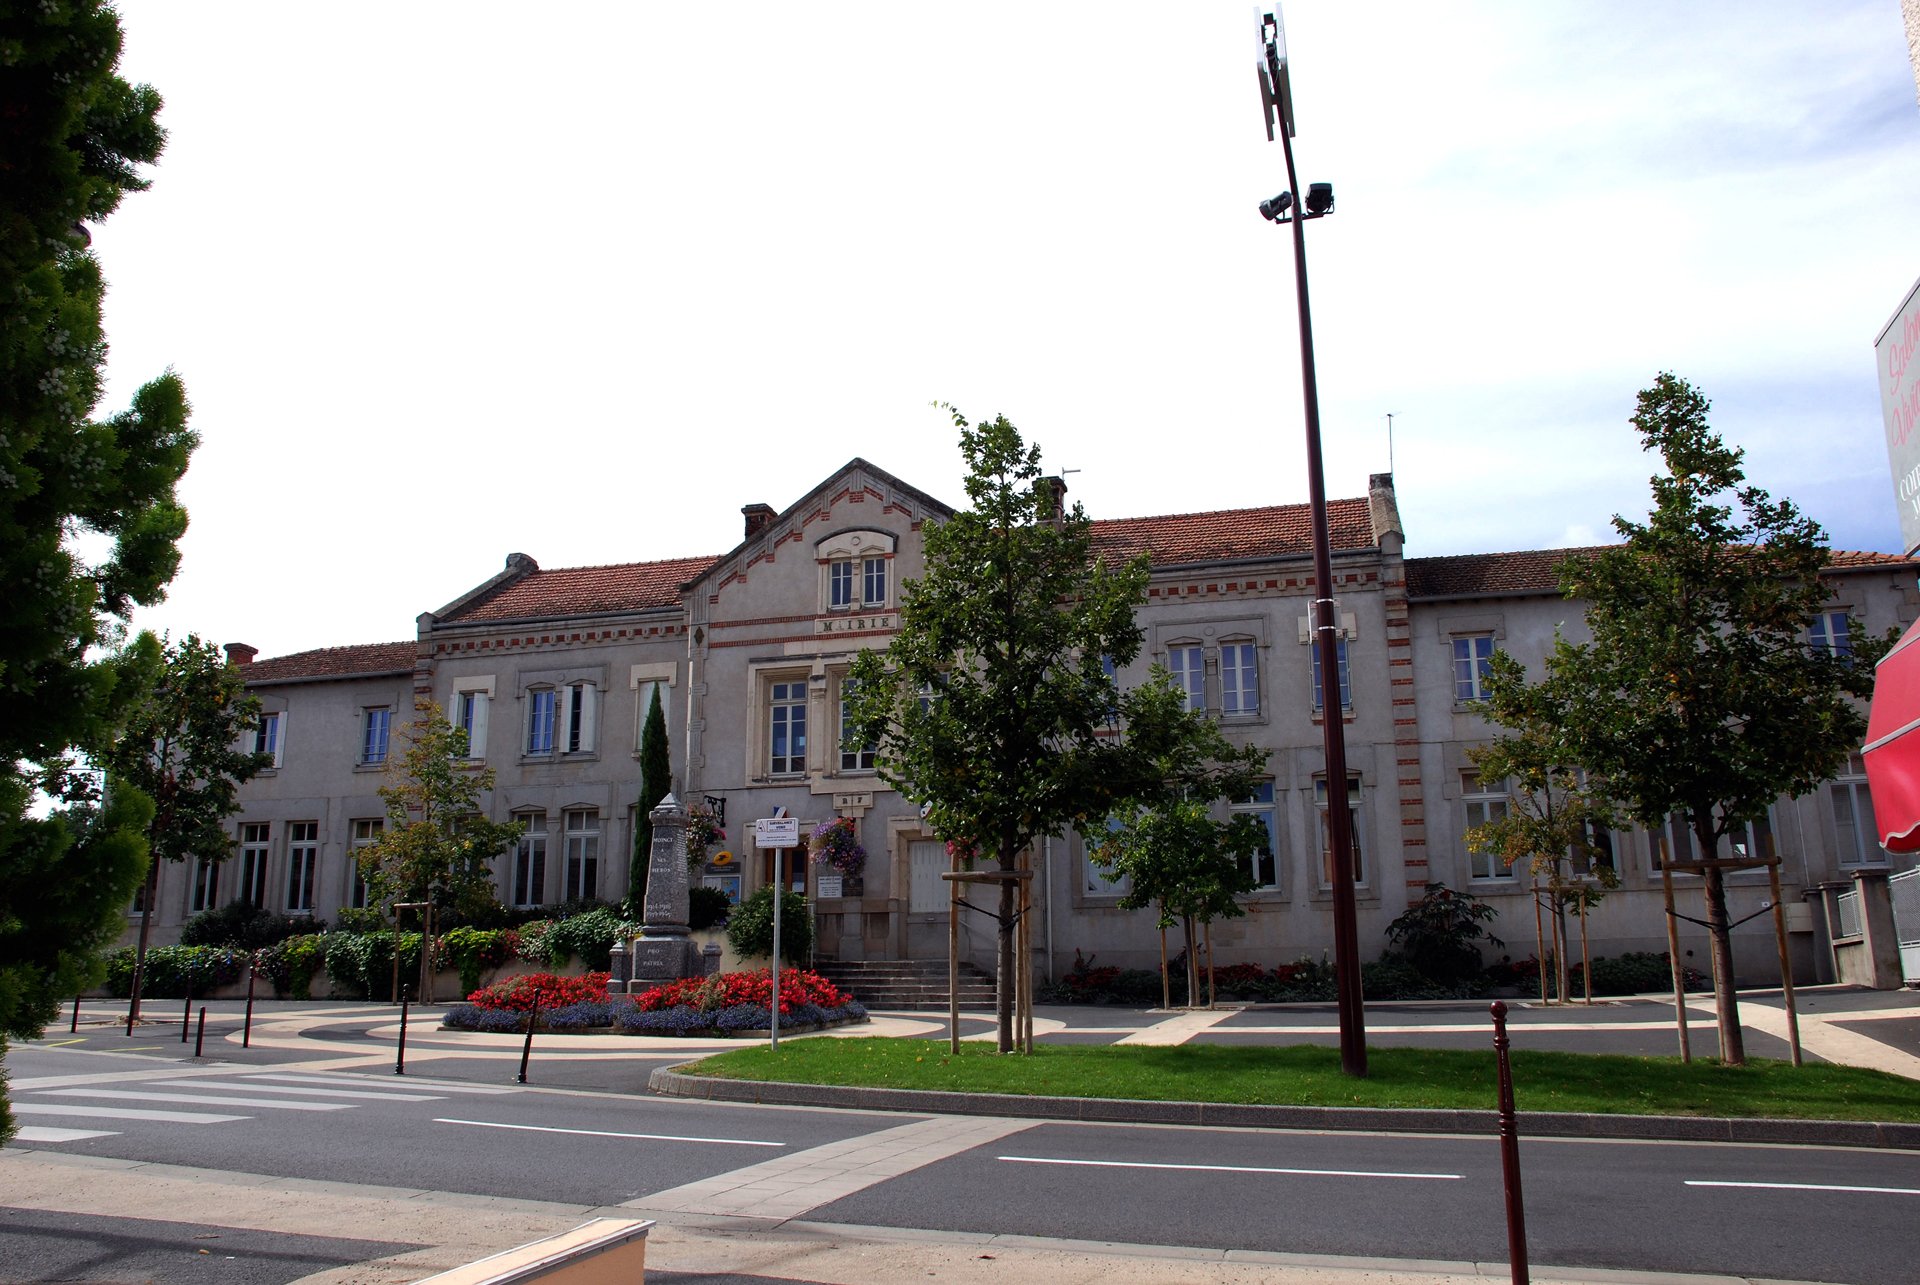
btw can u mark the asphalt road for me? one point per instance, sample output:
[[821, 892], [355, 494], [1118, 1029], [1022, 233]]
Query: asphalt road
[[1805, 1213]]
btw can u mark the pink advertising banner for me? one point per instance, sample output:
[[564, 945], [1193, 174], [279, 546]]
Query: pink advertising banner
[[1897, 353]]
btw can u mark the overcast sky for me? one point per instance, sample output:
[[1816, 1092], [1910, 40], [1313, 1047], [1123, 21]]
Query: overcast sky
[[449, 281]]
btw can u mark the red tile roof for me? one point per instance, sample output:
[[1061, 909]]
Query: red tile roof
[[1282, 530], [1476, 575], [357, 661], [585, 591]]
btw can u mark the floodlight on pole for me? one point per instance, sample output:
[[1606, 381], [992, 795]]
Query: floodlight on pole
[[1276, 95]]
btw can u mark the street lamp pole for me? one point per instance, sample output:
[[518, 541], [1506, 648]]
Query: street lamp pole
[[1276, 95]]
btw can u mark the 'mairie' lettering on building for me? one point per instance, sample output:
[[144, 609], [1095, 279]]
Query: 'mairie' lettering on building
[[856, 624]]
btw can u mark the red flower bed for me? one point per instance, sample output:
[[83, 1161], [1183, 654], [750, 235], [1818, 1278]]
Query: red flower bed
[[724, 990], [519, 994]]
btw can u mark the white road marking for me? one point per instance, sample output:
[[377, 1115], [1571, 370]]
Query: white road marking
[[122, 1113], [372, 1095], [438, 1086], [597, 1133], [201, 1099], [48, 1133], [1808, 1186], [1309, 1173]]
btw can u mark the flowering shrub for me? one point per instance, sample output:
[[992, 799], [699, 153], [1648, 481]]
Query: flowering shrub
[[518, 994], [703, 831], [660, 1021], [578, 1017], [836, 843], [727, 990], [491, 1021], [176, 971], [533, 945]]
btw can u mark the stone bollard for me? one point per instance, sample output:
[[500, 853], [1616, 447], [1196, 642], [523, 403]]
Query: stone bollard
[[710, 959], [619, 969]]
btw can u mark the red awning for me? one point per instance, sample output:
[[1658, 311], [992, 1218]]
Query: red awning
[[1893, 745]]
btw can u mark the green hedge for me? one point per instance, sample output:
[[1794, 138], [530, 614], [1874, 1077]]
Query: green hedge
[[174, 972]]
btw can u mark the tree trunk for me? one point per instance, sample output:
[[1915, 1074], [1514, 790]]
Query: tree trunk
[[1539, 943], [1166, 981], [1726, 1000], [146, 930], [1003, 964], [1193, 962]]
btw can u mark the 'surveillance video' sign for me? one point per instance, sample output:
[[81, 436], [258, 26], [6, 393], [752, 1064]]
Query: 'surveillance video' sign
[[1897, 353]]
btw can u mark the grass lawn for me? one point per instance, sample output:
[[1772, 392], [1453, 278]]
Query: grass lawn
[[1304, 1075]]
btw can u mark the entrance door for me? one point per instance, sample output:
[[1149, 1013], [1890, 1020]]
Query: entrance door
[[927, 899]]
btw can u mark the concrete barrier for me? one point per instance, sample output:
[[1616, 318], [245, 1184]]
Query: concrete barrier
[[606, 1251]]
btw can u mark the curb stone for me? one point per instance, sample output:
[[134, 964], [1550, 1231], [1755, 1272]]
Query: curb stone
[[670, 1082]]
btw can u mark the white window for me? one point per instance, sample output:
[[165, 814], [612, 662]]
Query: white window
[[578, 730], [787, 728], [1855, 831], [1472, 662], [1189, 670], [855, 755], [840, 593], [583, 854], [1239, 679], [1484, 802], [303, 854], [266, 737], [1326, 830], [1266, 862], [366, 832], [873, 577], [1346, 678], [543, 708], [1829, 633], [530, 861], [377, 724], [254, 850], [206, 887], [470, 716]]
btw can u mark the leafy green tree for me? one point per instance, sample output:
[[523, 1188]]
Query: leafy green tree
[[1555, 810], [1179, 859], [72, 135], [182, 747], [988, 706], [438, 845], [1700, 693], [656, 780]]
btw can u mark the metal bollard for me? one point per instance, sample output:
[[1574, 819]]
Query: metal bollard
[[200, 1039], [1510, 1151], [400, 1058], [73, 1027], [186, 1016], [526, 1050], [246, 1025]]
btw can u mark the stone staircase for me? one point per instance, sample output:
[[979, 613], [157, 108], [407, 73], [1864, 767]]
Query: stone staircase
[[907, 983]]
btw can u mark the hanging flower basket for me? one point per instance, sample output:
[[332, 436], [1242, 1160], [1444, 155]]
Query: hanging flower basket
[[703, 831], [836, 843]]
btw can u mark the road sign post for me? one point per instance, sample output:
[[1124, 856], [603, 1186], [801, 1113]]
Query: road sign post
[[778, 834]]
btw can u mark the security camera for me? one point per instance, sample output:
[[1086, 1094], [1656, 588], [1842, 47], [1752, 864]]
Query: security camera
[[1319, 198], [1274, 208]]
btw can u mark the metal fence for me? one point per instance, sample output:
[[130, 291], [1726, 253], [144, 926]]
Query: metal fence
[[1904, 889], [1847, 908]]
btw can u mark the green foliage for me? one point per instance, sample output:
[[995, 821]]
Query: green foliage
[[750, 930], [289, 964], [476, 950], [362, 919], [65, 881], [438, 844], [361, 964], [989, 704], [1439, 935], [706, 907], [589, 937], [242, 924], [174, 972], [656, 779], [1700, 692]]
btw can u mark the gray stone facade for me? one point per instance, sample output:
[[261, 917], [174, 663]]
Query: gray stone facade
[[553, 671]]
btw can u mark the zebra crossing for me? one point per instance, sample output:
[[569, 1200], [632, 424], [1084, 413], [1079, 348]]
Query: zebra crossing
[[183, 1099]]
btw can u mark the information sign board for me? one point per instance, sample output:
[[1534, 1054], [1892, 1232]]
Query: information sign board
[[776, 832]]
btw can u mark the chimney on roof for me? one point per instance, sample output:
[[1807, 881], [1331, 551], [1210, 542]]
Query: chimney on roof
[[520, 562], [759, 517], [241, 654], [1057, 494], [1383, 513]]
